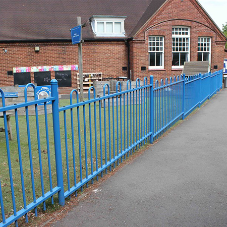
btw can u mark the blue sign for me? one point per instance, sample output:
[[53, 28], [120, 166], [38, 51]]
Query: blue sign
[[76, 34], [225, 67], [10, 95], [42, 92]]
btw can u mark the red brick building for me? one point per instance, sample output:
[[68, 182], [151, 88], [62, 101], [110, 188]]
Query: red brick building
[[122, 38]]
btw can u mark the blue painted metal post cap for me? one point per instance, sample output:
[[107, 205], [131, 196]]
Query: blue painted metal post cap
[[54, 81]]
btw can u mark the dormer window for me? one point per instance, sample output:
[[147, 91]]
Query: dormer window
[[108, 26]]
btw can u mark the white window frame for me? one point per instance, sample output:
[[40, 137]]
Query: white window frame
[[209, 51], [158, 49], [183, 33], [96, 19]]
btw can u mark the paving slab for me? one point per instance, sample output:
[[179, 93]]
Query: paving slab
[[179, 181]]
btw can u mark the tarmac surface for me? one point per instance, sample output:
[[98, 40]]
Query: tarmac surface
[[179, 181]]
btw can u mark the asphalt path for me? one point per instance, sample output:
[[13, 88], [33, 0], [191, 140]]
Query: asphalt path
[[179, 181]]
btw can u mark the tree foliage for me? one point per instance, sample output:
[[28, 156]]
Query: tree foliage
[[224, 30]]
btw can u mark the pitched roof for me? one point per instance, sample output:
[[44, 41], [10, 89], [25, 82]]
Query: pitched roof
[[23, 20], [151, 10], [52, 19]]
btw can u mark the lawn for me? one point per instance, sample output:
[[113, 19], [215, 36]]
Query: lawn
[[100, 135], [96, 150]]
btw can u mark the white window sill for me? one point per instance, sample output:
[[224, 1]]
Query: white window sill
[[156, 68], [177, 68], [109, 35]]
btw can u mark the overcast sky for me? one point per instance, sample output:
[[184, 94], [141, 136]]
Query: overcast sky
[[217, 9]]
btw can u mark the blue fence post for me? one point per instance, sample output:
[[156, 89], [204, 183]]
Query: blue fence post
[[200, 89], [183, 97], [219, 76], [151, 109], [57, 140], [216, 82], [209, 85], [2, 204], [220, 79]]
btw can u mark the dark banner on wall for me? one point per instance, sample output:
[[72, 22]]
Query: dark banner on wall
[[22, 78], [42, 78], [63, 78]]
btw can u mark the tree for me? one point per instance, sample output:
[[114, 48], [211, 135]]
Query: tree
[[224, 30]]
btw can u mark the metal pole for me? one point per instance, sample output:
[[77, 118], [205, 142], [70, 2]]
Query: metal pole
[[151, 109], [209, 85], [57, 141], [183, 97], [80, 64], [200, 89]]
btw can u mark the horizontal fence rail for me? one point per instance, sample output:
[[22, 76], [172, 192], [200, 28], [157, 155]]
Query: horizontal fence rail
[[28, 158], [103, 131], [167, 103], [53, 155]]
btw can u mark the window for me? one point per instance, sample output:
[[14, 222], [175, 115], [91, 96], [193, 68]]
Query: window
[[180, 46], [156, 52], [108, 26], [204, 48], [100, 27]]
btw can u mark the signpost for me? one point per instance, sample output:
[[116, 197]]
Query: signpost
[[76, 34], [42, 92]]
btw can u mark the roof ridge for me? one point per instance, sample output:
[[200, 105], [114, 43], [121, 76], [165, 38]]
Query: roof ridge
[[145, 16]]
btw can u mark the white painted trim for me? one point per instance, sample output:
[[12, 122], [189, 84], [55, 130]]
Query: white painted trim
[[206, 51], [189, 45], [155, 67], [163, 53], [94, 26], [177, 67]]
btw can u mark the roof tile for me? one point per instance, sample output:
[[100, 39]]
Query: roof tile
[[52, 19]]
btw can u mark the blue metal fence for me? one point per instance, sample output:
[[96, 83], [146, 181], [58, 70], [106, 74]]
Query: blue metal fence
[[90, 137], [14, 172]]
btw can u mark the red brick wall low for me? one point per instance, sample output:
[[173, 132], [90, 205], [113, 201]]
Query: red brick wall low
[[105, 57]]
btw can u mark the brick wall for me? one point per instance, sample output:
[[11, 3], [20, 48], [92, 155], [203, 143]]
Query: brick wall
[[105, 57], [110, 57]]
